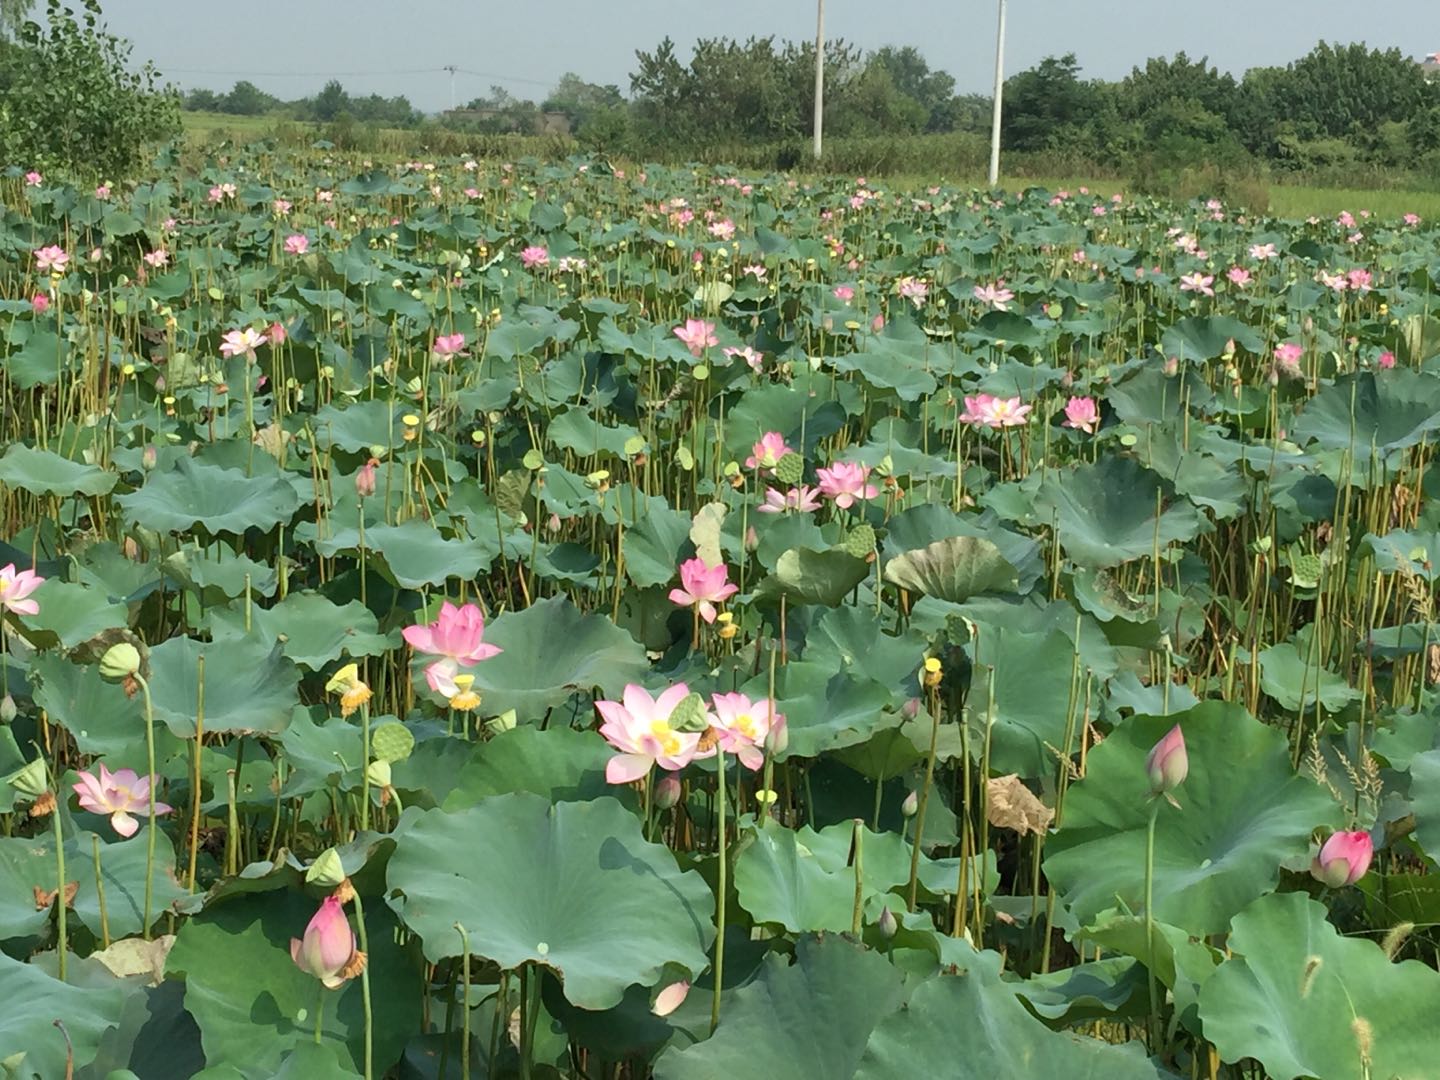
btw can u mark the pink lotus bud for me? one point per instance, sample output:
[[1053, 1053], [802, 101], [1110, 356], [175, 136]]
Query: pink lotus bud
[[1386, 361], [752, 539], [328, 945], [911, 709], [1343, 859], [878, 323], [276, 335], [40, 303], [911, 805], [553, 525], [887, 924], [670, 999], [365, 479], [149, 457], [667, 793], [778, 739], [1168, 764]]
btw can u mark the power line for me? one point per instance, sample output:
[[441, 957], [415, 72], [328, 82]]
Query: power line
[[167, 70]]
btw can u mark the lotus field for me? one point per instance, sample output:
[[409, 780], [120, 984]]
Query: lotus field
[[557, 620]]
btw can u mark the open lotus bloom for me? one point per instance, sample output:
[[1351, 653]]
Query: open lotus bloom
[[15, 589], [458, 633], [328, 946], [639, 727], [120, 794], [703, 587], [745, 727]]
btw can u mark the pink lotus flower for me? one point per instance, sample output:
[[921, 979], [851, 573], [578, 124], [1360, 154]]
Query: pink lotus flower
[[40, 303], [220, 192], [365, 479], [117, 794], [1386, 361], [744, 726], [1167, 764], [15, 589], [456, 634], [639, 727], [51, 260], [723, 230], [995, 296], [534, 256], [914, 290], [281, 206], [1346, 219], [328, 945], [324, 196], [844, 481], [102, 191], [697, 335], [1263, 252], [750, 356], [447, 345], [1287, 358], [297, 244], [1238, 276], [157, 258], [33, 179], [766, 453], [1359, 280], [1343, 859], [1081, 414], [276, 334], [1198, 282], [844, 293], [995, 412], [802, 498], [241, 342], [1409, 219], [756, 271], [703, 587]]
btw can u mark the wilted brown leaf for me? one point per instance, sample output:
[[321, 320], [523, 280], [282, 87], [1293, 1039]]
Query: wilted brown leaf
[[1011, 805]]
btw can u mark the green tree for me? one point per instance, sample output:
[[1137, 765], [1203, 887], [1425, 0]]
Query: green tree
[[1049, 107], [330, 102], [12, 16], [247, 99], [933, 91]]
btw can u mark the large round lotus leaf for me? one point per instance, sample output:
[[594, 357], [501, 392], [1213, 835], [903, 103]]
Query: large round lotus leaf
[[652, 545], [809, 1018], [954, 569], [1294, 681], [219, 568], [1370, 417], [1099, 990], [551, 651], [42, 473], [418, 555], [312, 629], [1302, 999], [573, 886], [802, 880], [851, 639], [253, 1004], [1152, 397], [1181, 962], [23, 864], [1105, 512], [321, 755], [1244, 811], [804, 576], [558, 763], [1205, 337], [70, 614], [1032, 688], [922, 525], [218, 500], [823, 709], [31, 1046], [976, 1025], [1425, 800], [249, 686]]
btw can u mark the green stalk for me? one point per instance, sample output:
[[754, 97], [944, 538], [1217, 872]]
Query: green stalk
[[1150, 925], [150, 831], [319, 1009], [724, 885], [365, 988], [465, 1004], [60, 890]]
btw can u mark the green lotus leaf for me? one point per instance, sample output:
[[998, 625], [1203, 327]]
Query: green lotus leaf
[[1094, 991], [823, 710], [1370, 418], [1181, 962], [312, 629], [576, 430], [1206, 337], [851, 639], [99, 716], [249, 686], [1425, 800], [320, 755], [70, 614], [573, 886], [222, 570], [954, 569], [1031, 678], [33, 1002], [804, 576], [1244, 811], [41, 472], [1295, 684], [975, 1010], [1105, 513], [359, 425], [653, 544], [217, 499], [1401, 551], [418, 555], [1304, 1000], [807, 1018], [923, 525], [552, 651], [561, 764]]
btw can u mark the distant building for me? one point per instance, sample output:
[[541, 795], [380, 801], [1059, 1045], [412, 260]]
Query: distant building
[[522, 122], [1431, 65]]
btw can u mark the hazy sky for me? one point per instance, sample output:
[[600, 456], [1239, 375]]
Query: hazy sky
[[388, 47]]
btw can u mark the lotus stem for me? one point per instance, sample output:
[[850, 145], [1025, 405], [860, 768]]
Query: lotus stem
[[464, 1004], [721, 877], [365, 987], [100, 893], [150, 830], [1150, 926], [60, 927]]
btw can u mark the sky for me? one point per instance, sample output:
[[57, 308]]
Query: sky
[[379, 46]]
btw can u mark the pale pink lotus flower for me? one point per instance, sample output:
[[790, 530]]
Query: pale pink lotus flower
[[447, 345], [570, 264], [914, 290], [33, 179], [749, 355], [241, 342], [1198, 282], [1098, 210], [456, 634], [15, 589], [281, 206], [297, 244], [670, 999], [328, 945], [877, 324], [117, 794], [276, 334], [1263, 252], [1346, 219], [697, 335], [51, 260], [1238, 276], [756, 271], [844, 482], [220, 192], [157, 258], [1168, 763], [169, 225], [844, 293], [39, 303], [534, 256], [1359, 280], [1412, 219], [1343, 859], [1386, 360], [996, 296], [723, 230], [1287, 359], [365, 478], [1082, 414], [639, 727], [1337, 281], [325, 196], [803, 499], [102, 191], [995, 412], [744, 726], [702, 587], [766, 453]]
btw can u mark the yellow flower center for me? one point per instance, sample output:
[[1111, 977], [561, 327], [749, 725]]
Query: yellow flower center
[[668, 739], [745, 724]]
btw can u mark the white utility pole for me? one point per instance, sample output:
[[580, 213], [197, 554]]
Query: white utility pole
[[451, 69], [999, 91], [819, 73]]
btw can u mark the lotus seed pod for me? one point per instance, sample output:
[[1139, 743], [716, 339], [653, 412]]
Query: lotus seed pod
[[120, 660], [326, 871]]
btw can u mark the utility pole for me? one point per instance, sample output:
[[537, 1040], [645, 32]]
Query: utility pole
[[819, 73], [451, 69], [999, 91]]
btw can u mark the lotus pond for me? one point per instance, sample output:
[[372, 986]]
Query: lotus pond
[[554, 620]]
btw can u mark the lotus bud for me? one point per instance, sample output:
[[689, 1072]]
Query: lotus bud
[[670, 999], [911, 805], [326, 871], [1343, 859], [752, 539], [148, 457], [887, 924], [120, 661], [378, 773], [1167, 764], [32, 779], [365, 479], [7, 709], [911, 709], [667, 793], [779, 738], [328, 946]]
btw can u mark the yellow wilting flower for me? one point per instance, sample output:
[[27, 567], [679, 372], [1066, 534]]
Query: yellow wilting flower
[[931, 675], [347, 683], [465, 699]]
